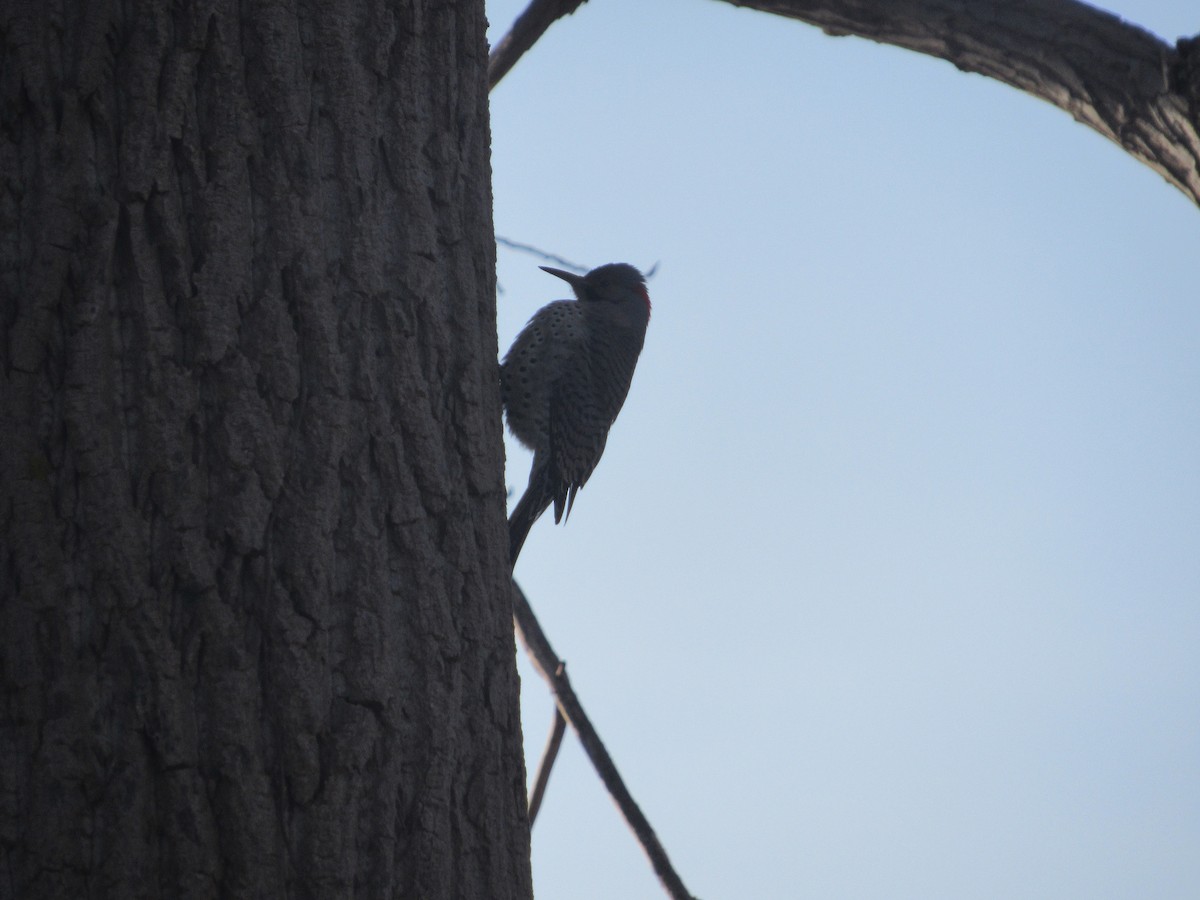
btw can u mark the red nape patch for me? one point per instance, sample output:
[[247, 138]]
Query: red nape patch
[[646, 297]]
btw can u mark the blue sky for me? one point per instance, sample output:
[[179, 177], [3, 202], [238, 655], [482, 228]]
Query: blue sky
[[888, 584]]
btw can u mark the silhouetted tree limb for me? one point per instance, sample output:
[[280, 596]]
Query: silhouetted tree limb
[[557, 728], [530, 25], [551, 668], [1112, 76]]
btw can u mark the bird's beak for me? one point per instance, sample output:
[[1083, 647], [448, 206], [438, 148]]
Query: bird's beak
[[569, 277]]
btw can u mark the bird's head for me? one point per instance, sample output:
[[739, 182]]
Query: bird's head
[[613, 283]]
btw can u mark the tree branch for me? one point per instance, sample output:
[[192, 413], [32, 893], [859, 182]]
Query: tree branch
[[557, 728], [1110, 75], [546, 661], [530, 25], [548, 257]]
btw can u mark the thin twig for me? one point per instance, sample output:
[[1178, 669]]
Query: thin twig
[[537, 251], [546, 661], [557, 729], [530, 25]]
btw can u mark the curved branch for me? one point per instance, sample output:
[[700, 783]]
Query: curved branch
[[1112, 76]]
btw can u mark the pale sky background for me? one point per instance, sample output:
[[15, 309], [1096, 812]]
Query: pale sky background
[[888, 584]]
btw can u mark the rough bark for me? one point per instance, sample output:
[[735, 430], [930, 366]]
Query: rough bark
[[1110, 75], [255, 630]]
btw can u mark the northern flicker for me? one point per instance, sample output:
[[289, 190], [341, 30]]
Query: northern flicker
[[564, 380]]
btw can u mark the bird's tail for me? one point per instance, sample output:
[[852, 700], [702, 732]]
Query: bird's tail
[[531, 505]]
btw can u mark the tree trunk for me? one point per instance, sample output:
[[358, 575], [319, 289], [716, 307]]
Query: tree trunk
[[256, 634]]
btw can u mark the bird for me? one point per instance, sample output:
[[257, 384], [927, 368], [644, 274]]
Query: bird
[[564, 380]]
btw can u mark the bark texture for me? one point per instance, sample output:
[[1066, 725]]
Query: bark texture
[[256, 635], [1110, 75]]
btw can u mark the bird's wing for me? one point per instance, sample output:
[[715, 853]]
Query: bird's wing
[[578, 430]]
